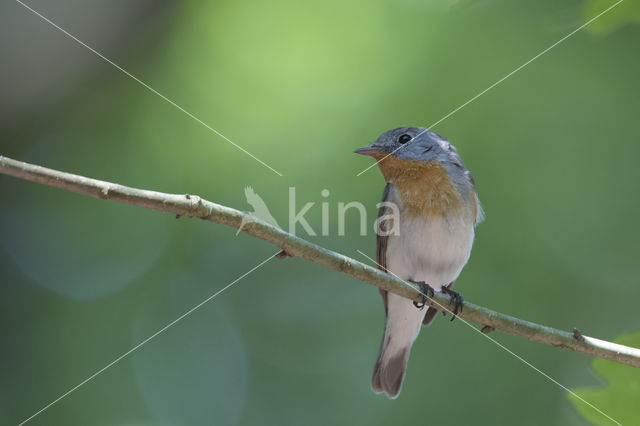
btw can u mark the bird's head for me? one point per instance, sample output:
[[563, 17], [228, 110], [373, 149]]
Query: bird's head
[[409, 143]]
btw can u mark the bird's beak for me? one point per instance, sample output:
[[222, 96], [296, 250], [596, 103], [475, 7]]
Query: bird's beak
[[368, 150]]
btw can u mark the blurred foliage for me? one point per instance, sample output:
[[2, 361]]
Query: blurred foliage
[[300, 85], [619, 397], [629, 13]]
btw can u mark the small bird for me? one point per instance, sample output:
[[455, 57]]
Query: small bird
[[260, 210], [438, 210]]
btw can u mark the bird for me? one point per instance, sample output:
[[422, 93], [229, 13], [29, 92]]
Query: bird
[[260, 210], [428, 243]]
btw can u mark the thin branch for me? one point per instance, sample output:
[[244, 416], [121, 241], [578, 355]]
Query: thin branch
[[194, 206]]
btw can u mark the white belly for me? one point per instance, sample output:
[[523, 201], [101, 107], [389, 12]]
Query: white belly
[[434, 252]]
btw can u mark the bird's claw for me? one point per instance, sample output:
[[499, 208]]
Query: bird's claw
[[456, 300], [425, 290]]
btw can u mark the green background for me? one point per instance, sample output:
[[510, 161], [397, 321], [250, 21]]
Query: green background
[[554, 151]]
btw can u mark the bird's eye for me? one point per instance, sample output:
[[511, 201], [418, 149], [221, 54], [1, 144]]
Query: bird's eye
[[404, 138]]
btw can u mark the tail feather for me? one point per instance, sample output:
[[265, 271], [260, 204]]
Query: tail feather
[[401, 329], [389, 371]]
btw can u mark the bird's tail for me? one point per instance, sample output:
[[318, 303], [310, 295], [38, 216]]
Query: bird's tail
[[401, 329], [389, 371]]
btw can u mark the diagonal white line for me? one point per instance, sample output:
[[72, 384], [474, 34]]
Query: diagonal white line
[[146, 340], [500, 345], [146, 86], [499, 81]]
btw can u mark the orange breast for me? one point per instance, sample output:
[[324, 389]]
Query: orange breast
[[423, 188]]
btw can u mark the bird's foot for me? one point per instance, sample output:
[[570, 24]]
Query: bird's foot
[[426, 290], [454, 299]]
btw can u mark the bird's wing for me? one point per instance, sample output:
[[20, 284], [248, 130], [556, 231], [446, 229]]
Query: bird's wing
[[479, 210], [455, 159], [381, 241]]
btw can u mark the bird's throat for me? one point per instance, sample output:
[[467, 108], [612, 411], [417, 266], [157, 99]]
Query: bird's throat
[[424, 189]]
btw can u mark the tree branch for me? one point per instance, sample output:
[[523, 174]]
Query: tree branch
[[194, 206]]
